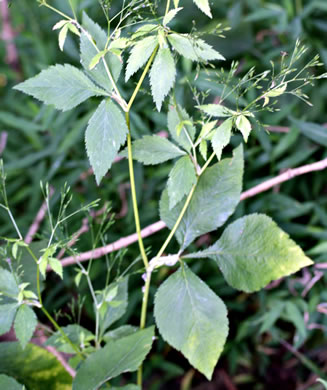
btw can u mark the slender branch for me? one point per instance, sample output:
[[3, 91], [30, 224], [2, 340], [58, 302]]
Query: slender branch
[[157, 226], [37, 221], [288, 175]]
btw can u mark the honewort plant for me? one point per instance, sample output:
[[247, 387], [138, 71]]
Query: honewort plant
[[202, 192]]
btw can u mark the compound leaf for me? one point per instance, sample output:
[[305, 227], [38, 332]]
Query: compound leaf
[[192, 318], [25, 324], [162, 76], [253, 251], [181, 179], [139, 55], [64, 86], [215, 198], [7, 315], [152, 149], [221, 137], [105, 133], [118, 356]]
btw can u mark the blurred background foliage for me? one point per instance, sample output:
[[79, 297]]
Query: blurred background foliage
[[278, 337]]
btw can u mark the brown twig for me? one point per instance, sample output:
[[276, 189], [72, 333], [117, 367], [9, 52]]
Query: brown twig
[[37, 221], [157, 226], [3, 141], [8, 36], [288, 175]]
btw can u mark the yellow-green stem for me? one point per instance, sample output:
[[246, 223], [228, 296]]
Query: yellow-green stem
[[167, 7], [138, 86], [133, 190], [148, 280]]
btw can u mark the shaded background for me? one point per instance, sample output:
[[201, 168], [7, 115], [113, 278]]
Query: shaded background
[[269, 346]]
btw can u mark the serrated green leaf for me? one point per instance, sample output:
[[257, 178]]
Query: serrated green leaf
[[176, 115], [122, 331], [76, 334], [181, 179], [105, 133], [88, 52], [56, 266], [64, 86], [193, 49], [43, 266], [145, 30], [152, 149], [170, 15], [8, 285], [215, 198], [204, 6], [95, 60], [7, 315], [25, 324], [118, 356], [162, 75], [221, 137], [204, 149], [192, 318], [253, 251], [8, 383], [216, 110], [35, 367], [113, 314], [62, 36], [140, 54], [244, 126]]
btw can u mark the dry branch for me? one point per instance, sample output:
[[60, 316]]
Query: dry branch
[[157, 226]]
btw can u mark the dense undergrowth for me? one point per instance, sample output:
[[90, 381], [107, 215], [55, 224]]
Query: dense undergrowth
[[278, 335]]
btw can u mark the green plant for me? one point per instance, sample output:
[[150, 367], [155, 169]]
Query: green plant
[[199, 198]]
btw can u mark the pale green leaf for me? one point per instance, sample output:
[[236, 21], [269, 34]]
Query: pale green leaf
[[118, 333], [118, 356], [64, 86], [113, 314], [162, 76], [216, 110], [127, 387], [96, 59], [8, 383], [152, 149], [62, 36], [221, 137], [176, 115], [170, 15], [43, 266], [193, 49], [105, 133], [192, 318], [8, 285], [146, 29], [206, 130], [56, 266], [181, 179], [214, 200], [204, 6], [60, 24], [34, 367], [204, 149], [244, 126], [140, 54], [276, 91], [25, 324], [76, 334], [176, 3], [7, 315], [253, 251], [99, 73]]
